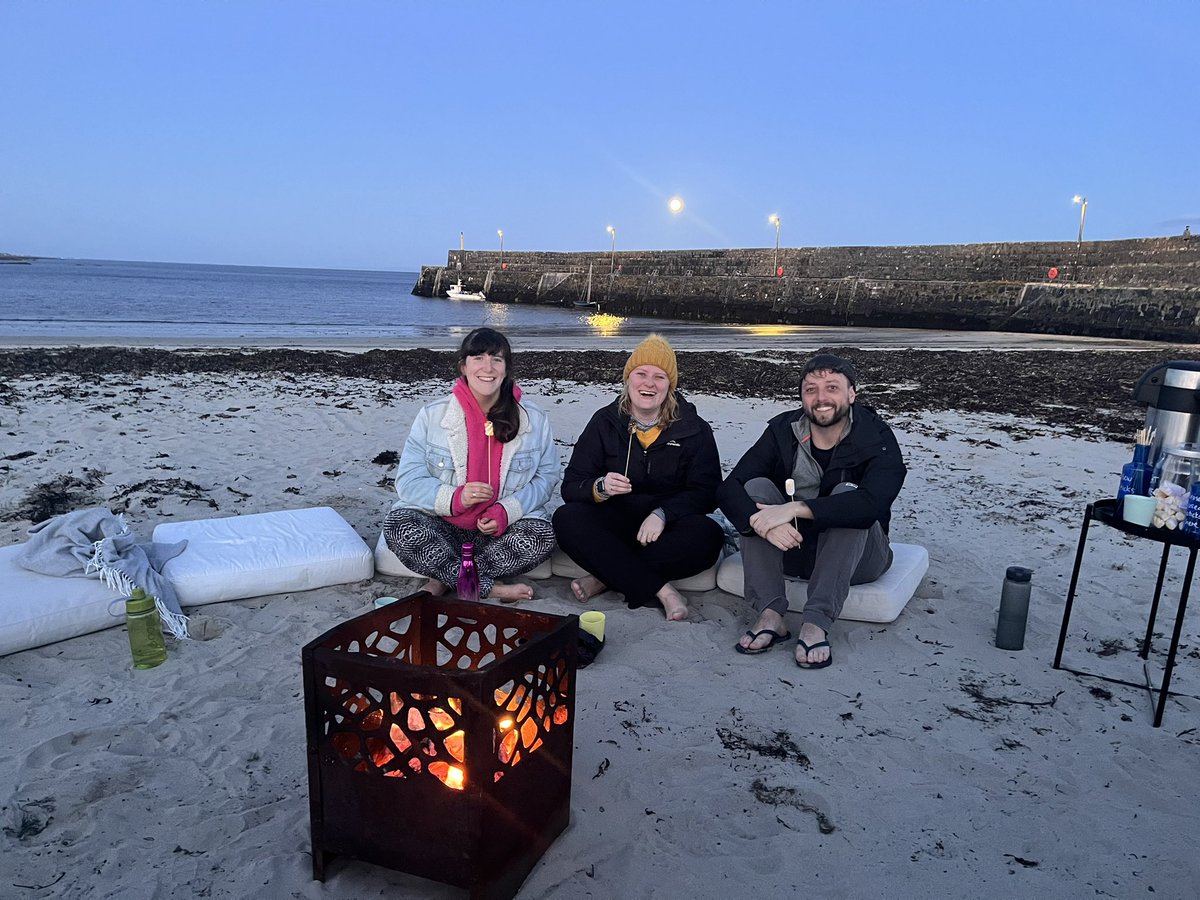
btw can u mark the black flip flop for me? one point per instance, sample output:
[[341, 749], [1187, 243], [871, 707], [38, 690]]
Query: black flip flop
[[776, 637], [808, 650]]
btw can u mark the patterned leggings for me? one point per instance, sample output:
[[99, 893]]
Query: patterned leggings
[[433, 547]]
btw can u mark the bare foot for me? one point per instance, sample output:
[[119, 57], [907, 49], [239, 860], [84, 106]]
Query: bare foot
[[435, 587], [510, 593], [768, 624], [814, 657], [673, 604], [587, 587]]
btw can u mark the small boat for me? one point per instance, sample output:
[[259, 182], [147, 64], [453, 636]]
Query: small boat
[[456, 292], [582, 303]]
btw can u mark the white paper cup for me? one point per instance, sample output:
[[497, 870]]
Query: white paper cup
[[381, 602], [593, 624], [1139, 510]]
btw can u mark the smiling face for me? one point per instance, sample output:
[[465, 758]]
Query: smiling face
[[648, 387], [826, 397], [484, 373]]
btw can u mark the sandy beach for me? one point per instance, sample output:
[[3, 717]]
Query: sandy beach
[[923, 763]]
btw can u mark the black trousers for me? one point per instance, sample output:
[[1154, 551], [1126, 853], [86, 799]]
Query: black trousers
[[602, 538]]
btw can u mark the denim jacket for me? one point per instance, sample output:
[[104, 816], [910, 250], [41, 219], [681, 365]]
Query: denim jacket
[[434, 462]]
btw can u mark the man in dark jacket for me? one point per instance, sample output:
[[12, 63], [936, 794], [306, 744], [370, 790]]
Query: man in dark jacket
[[813, 500]]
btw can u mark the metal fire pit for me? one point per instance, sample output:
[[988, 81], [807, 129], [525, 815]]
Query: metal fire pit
[[440, 735]]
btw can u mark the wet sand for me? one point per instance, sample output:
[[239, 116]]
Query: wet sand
[[612, 333]]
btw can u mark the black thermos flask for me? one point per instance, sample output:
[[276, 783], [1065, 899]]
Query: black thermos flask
[[1014, 608]]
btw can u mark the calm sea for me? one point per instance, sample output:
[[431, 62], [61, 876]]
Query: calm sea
[[99, 299], [67, 301]]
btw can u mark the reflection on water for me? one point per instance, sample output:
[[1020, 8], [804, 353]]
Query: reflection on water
[[604, 324], [498, 315], [768, 330]]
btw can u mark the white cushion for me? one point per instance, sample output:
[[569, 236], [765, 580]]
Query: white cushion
[[389, 563], [879, 601], [40, 609], [265, 553], [565, 567]]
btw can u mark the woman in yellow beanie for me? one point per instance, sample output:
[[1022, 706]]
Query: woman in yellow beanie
[[642, 479]]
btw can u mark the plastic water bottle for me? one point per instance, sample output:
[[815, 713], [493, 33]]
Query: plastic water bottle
[[145, 631], [1014, 608], [468, 576]]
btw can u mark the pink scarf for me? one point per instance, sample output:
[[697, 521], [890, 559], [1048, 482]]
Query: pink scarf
[[483, 463]]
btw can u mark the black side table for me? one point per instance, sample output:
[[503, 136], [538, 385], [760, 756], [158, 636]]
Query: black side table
[[1105, 512]]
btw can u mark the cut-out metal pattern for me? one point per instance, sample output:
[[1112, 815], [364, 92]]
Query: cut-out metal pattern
[[440, 737]]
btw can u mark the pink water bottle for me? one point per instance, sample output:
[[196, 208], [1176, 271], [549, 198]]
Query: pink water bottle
[[468, 575]]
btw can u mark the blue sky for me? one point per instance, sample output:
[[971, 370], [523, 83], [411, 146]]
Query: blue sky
[[369, 134]]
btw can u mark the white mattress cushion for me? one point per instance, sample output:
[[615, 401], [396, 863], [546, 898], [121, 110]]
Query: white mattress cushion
[[265, 553], [389, 563], [38, 609], [879, 601], [565, 567]]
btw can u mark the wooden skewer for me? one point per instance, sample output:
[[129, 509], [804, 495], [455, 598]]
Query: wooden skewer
[[489, 431], [629, 450]]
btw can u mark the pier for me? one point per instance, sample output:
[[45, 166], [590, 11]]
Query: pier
[[1140, 288]]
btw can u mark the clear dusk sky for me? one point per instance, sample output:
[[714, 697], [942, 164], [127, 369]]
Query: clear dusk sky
[[368, 134]]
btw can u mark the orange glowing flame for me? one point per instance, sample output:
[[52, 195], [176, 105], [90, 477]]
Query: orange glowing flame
[[529, 734], [441, 719], [399, 738], [345, 744], [452, 777], [454, 745], [507, 746], [425, 738], [380, 754]]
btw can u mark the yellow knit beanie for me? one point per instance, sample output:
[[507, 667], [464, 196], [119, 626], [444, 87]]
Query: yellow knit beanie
[[654, 351]]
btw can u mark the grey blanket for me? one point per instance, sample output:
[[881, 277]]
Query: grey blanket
[[93, 541]]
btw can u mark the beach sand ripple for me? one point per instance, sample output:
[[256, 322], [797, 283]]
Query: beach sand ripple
[[924, 762]]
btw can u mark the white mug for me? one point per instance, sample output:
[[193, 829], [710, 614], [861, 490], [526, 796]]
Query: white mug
[[1138, 510]]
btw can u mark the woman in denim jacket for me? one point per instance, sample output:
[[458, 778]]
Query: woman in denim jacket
[[479, 467]]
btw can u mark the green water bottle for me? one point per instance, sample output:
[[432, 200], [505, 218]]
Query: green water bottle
[[145, 631]]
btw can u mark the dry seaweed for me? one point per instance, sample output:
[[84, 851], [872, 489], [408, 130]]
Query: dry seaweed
[[57, 496]]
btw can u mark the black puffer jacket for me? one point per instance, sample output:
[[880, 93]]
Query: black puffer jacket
[[678, 473], [868, 456]]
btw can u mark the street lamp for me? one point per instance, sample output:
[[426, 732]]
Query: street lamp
[[1082, 212], [500, 231], [612, 262], [774, 220]]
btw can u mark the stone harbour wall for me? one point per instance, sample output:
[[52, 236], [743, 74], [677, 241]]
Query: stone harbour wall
[[1145, 288]]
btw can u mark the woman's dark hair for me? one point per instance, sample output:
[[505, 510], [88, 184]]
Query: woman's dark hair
[[506, 418]]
